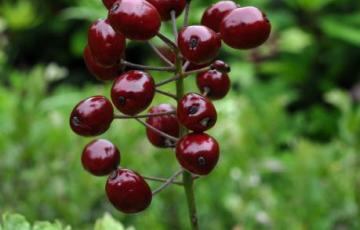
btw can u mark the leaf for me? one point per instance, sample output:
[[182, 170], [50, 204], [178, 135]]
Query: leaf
[[43, 225], [15, 222], [107, 222]]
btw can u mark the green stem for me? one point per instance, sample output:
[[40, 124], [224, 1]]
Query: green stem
[[188, 179]]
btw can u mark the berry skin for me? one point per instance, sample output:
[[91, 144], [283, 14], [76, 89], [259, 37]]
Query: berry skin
[[101, 73], [92, 116], [164, 7], [108, 3], [166, 123], [221, 66], [199, 44], [215, 83], [133, 92], [198, 153], [105, 44], [213, 15], [245, 28], [100, 157], [196, 112], [136, 19], [128, 191]]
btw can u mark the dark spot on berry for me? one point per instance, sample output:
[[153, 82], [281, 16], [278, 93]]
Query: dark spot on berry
[[202, 161], [193, 109], [115, 7], [228, 69], [194, 42], [206, 122], [76, 121], [122, 100]]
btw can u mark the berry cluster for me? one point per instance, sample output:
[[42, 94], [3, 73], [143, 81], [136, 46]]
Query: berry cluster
[[193, 51]]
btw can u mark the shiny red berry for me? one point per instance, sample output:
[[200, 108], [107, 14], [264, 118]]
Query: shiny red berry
[[92, 116], [213, 15], [102, 73], [136, 19], [214, 83], [108, 3], [128, 191], [220, 66], [245, 28], [198, 153], [133, 92], [100, 157], [165, 123], [105, 44], [196, 112], [165, 7], [199, 44]]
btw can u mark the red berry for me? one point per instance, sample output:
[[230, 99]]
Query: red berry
[[105, 44], [136, 19], [220, 66], [245, 28], [165, 7], [133, 92], [198, 153], [196, 112], [214, 83], [92, 116], [128, 191], [213, 15], [102, 73], [199, 44], [108, 3], [100, 157], [165, 123]]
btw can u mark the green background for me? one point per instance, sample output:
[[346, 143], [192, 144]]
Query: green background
[[289, 130]]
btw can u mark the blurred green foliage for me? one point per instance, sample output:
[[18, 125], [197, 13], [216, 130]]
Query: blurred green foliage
[[289, 130]]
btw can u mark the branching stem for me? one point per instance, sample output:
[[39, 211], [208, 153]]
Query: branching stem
[[158, 52], [157, 130], [168, 182], [143, 115], [145, 67], [159, 179], [167, 41], [166, 94]]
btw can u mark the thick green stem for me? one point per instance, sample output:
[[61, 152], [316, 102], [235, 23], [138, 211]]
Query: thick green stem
[[188, 179]]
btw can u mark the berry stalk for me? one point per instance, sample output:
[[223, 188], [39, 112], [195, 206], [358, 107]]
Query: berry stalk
[[188, 180]]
